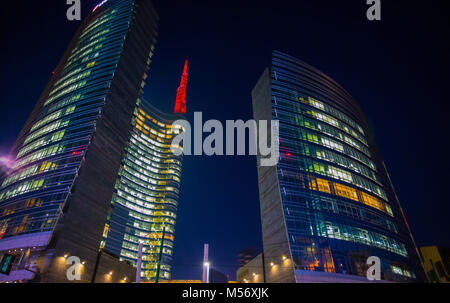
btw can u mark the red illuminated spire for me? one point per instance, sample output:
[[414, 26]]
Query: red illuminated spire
[[180, 103]]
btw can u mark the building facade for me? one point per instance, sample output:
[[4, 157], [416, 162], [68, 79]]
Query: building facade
[[328, 204], [252, 271], [55, 199], [145, 200], [436, 260]]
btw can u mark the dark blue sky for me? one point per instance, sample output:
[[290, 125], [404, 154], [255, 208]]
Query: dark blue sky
[[397, 69]]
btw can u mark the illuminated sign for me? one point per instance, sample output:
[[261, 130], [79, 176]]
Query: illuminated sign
[[98, 5]]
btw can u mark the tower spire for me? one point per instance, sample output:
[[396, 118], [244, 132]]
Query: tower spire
[[180, 103]]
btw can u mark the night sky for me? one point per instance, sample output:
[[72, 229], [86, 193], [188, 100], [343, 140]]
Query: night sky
[[397, 69]]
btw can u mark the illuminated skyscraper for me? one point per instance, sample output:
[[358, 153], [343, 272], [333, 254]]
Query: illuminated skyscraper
[[56, 197], [145, 199], [328, 204], [180, 102]]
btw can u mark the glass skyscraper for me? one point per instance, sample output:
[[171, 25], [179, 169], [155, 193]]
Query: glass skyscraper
[[328, 205], [55, 199], [145, 199]]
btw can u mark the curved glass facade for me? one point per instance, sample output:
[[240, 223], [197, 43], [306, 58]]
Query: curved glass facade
[[68, 154], [337, 202], [51, 150], [146, 193]]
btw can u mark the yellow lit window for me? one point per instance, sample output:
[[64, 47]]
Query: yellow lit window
[[90, 64], [33, 202], [345, 191], [372, 201], [323, 186], [106, 230], [47, 165], [70, 110]]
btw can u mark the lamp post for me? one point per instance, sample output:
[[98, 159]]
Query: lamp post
[[207, 266]]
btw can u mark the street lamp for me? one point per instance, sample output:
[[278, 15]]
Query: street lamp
[[207, 265]]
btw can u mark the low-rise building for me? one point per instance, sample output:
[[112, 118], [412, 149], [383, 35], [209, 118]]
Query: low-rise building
[[436, 260]]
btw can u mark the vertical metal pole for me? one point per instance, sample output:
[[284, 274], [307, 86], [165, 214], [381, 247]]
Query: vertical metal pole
[[94, 274], [263, 267], [205, 276], [139, 263], [158, 265]]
